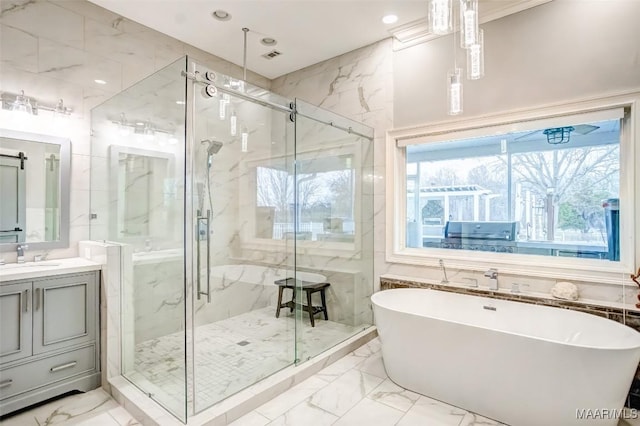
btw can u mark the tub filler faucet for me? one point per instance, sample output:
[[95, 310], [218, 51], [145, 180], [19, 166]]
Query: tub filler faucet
[[444, 272], [492, 274]]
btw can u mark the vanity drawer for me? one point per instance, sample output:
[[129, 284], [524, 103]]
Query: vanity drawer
[[34, 374]]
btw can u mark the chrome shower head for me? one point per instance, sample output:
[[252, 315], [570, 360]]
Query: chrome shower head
[[214, 146]]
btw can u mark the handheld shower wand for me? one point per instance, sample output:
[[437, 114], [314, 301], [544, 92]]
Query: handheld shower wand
[[212, 149]]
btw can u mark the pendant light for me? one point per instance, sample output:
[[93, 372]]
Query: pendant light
[[233, 123], [454, 91], [468, 23], [454, 85], [440, 13], [245, 139], [475, 58]]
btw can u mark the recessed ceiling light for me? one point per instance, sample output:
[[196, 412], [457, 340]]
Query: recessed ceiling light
[[221, 15], [100, 81], [268, 41], [390, 19]]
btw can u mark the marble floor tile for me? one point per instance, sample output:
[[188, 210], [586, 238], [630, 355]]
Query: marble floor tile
[[344, 393], [279, 405], [102, 419], [230, 355], [369, 348], [71, 408], [437, 413], [370, 412], [305, 413], [251, 419], [394, 396], [340, 367], [471, 419], [123, 417], [374, 365]]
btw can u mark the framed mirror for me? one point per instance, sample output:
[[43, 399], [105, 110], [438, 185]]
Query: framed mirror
[[34, 190]]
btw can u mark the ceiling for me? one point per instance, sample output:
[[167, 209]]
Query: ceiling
[[306, 31]]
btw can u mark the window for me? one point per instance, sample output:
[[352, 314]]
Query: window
[[521, 192], [504, 189], [325, 189]]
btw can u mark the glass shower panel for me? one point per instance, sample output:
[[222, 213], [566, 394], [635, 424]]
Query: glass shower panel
[[334, 228], [137, 199], [242, 186]]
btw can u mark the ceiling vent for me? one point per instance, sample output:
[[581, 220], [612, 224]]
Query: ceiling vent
[[271, 54]]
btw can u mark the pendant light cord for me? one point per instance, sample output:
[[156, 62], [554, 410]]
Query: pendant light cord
[[244, 61], [453, 23]]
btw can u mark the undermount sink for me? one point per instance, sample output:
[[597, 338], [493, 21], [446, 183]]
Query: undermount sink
[[28, 265]]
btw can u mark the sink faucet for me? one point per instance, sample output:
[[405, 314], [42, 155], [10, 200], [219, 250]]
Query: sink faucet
[[492, 274], [444, 272], [21, 248]]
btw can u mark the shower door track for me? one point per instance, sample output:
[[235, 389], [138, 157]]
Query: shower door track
[[196, 78]]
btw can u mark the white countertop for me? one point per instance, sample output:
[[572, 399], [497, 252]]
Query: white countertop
[[46, 268]]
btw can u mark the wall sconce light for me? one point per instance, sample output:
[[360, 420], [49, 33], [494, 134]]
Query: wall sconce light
[[28, 105], [140, 127]]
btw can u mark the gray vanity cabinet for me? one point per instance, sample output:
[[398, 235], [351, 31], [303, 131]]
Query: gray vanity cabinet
[[64, 312], [49, 341], [15, 321]]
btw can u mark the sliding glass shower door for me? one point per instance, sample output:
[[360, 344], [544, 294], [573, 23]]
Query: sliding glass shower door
[[245, 225], [241, 210], [334, 222]]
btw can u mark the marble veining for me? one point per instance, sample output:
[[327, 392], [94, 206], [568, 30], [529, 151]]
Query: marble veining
[[343, 395], [229, 355], [91, 408], [383, 405]]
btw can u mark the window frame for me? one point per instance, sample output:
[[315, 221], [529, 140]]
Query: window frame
[[585, 269]]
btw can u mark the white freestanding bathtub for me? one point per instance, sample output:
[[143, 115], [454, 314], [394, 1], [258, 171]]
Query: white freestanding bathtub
[[518, 363]]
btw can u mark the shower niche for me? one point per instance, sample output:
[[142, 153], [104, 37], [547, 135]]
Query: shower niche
[[216, 189]]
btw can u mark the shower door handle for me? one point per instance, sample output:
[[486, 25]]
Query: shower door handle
[[206, 220], [208, 257]]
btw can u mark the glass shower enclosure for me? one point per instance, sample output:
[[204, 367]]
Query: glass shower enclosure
[[234, 208]]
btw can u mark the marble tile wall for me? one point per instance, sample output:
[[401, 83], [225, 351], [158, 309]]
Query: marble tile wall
[[110, 256], [55, 49], [358, 86], [378, 86]]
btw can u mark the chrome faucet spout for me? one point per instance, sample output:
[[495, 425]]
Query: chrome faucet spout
[[20, 249], [492, 274]]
